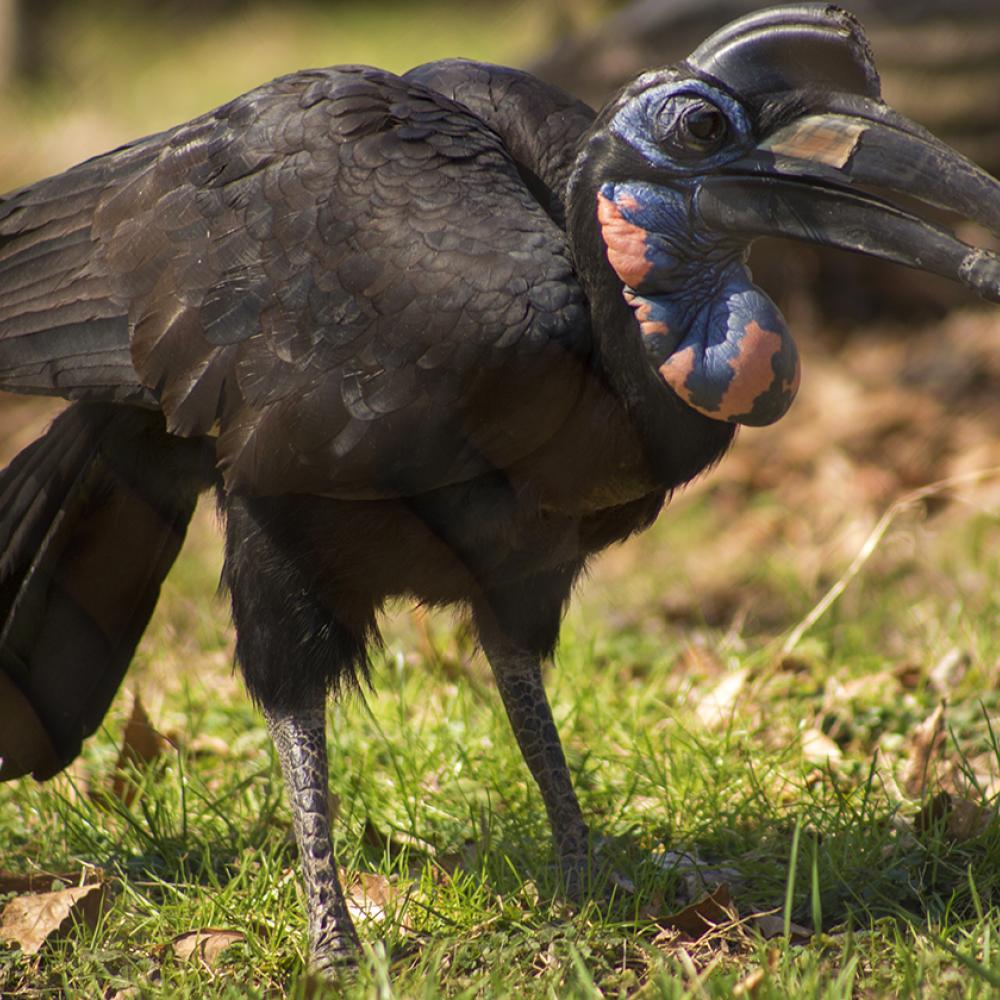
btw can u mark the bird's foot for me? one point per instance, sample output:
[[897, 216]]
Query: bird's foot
[[335, 958], [592, 874], [576, 873], [334, 945]]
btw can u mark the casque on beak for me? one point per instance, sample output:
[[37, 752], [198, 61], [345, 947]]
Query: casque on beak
[[824, 174]]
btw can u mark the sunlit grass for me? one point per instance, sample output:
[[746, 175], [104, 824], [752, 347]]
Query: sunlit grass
[[432, 794]]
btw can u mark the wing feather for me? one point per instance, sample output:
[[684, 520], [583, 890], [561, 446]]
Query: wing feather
[[343, 271]]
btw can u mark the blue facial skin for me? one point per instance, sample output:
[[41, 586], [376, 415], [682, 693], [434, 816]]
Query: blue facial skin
[[696, 282], [649, 121]]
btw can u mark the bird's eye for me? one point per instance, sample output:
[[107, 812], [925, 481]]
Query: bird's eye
[[703, 127], [691, 126]]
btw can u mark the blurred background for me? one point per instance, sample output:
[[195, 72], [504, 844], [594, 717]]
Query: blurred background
[[900, 369]]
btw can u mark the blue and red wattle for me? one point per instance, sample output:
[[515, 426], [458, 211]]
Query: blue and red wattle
[[716, 339]]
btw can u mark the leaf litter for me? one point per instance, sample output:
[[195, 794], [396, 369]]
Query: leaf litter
[[141, 746], [36, 918], [206, 944]]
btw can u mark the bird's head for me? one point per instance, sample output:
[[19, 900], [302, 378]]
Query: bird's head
[[773, 127]]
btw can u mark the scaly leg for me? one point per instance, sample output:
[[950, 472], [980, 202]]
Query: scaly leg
[[519, 679], [292, 650], [300, 740]]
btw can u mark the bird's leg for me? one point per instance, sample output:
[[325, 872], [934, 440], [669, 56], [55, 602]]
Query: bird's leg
[[300, 740], [519, 679], [276, 609]]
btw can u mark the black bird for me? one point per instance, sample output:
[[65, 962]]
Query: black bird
[[441, 336]]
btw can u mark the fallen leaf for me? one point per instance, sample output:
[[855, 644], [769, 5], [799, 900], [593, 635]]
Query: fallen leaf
[[925, 744], [702, 916], [967, 820], [819, 748], [964, 820], [698, 876], [772, 925], [141, 745], [207, 943], [699, 660], [948, 672], [716, 708], [31, 920], [369, 895]]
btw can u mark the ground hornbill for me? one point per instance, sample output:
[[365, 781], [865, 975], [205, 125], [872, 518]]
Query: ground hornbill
[[440, 336]]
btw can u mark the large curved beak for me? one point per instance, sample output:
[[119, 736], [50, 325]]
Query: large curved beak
[[813, 179]]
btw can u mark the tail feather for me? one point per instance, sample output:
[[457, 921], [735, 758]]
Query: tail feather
[[92, 516]]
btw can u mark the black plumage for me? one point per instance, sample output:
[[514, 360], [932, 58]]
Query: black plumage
[[419, 334]]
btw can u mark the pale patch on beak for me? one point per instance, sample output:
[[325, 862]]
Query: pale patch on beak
[[817, 139]]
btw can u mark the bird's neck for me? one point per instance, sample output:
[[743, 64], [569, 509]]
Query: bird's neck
[[676, 441]]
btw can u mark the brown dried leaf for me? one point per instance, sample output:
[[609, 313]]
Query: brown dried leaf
[[964, 819], [925, 744], [772, 925], [948, 672], [967, 820], [370, 895], [31, 920], [704, 915], [909, 675], [207, 943], [141, 745], [699, 660], [716, 708], [819, 748], [698, 877]]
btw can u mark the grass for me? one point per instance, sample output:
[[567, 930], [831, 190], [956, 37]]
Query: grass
[[436, 808]]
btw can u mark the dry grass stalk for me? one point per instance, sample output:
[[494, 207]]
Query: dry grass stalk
[[871, 543]]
